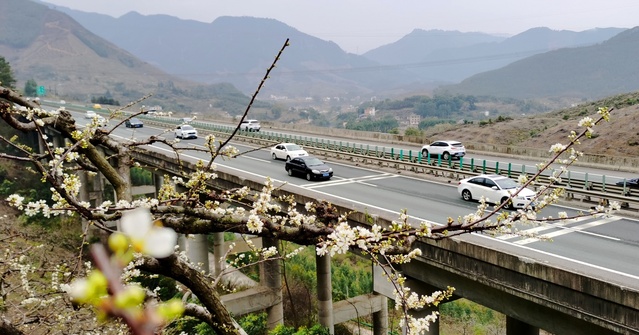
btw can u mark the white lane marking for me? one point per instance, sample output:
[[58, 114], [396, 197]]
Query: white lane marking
[[545, 226], [567, 230], [439, 224], [359, 180]]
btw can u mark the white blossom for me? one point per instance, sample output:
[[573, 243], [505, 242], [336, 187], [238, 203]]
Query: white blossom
[[557, 148], [145, 236], [255, 224]]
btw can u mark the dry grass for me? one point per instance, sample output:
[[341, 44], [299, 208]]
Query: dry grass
[[619, 137]]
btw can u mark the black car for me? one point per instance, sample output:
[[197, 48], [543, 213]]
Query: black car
[[309, 166], [133, 123], [630, 183]]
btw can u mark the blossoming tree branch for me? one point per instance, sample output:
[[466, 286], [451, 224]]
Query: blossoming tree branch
[[147, 237]]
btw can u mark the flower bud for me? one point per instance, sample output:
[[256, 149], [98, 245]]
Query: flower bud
[[171, 309], [132, 296]]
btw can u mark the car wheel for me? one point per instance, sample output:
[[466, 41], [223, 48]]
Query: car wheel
[[274, 156], [509, 205], [466, 195], [309, 177], [288, 158], [289, 171], [424, 153], [446, 156]]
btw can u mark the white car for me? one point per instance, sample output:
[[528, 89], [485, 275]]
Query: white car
[[90, 115], [445, 149], [101, 121], [185, 131], [287, 151], [250, 125], [496, 189]]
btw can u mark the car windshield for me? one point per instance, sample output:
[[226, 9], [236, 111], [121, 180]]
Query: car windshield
[[134, 120], [293, 147], [312, 161], [187, 128], [506, 183], [456, 144]]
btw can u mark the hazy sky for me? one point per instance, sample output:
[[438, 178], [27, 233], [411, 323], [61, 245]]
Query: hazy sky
[[360, 25]]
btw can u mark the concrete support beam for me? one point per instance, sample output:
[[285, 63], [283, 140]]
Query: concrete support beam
[[143, 189], [252, 300], [324, 292], [357, 307]]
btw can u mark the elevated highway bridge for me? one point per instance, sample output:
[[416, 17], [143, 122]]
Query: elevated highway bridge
[[534, 288]]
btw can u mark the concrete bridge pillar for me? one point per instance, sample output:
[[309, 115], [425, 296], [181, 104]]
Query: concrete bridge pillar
[[271, 276], [219, 264], [434, 326], [84, 192], [324, 292], [158, 181], [516, 327], [196, 246], [380, 320], [197, 250]]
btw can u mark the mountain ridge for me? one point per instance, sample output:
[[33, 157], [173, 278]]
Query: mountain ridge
[[57, 52], [311, 66], [590, 72]]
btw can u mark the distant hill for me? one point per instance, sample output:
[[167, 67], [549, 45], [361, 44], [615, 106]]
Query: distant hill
[[72, 63], [452, 56], [238, 50], [414, 47], [586, 73]]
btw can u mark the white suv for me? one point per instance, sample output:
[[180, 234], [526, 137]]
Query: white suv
[[250, 125], [445, 149], [185, 131]]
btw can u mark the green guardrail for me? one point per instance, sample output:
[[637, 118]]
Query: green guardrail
[[394, 154]]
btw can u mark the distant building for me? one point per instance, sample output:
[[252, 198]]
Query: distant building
[[414, 119], [370, 111], [278, 97]]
